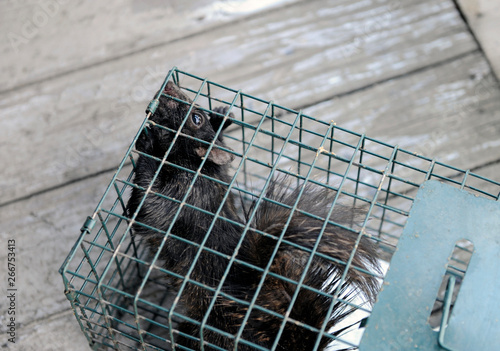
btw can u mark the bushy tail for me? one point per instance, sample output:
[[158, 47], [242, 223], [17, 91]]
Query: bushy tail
[[300, 232], [283, 241]]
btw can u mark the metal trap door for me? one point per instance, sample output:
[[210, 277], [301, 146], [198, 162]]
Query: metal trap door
[[441, 215]]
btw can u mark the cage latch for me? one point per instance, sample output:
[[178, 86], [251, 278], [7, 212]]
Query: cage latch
[[153, 105], [446, 312], [88, 225]]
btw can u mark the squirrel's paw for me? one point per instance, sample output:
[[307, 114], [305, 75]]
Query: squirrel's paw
[[145, 141]]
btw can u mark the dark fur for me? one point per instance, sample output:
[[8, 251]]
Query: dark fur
[[242, 282]]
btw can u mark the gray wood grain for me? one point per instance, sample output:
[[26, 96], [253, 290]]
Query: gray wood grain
[[53, 37], [45, 228], [69, 127], [59, 332], [450, 112]]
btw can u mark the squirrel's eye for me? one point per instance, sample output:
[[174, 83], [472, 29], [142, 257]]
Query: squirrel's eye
[[197, 119]]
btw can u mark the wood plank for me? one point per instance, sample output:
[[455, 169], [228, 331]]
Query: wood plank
[[43, 39], [451, 113], [45, 227], [340, 47], [80, 124], [55, 333], [483, 17]]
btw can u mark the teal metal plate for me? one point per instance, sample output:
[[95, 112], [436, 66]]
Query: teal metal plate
[[440, 216]]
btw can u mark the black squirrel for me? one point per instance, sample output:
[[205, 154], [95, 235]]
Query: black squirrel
[[244, 280]]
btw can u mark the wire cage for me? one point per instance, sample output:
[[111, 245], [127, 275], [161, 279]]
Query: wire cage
[[125, 297]]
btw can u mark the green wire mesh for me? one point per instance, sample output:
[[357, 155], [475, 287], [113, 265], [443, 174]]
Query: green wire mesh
[[120, 293]]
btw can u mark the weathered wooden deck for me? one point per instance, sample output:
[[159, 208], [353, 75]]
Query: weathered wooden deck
[[76, 78]]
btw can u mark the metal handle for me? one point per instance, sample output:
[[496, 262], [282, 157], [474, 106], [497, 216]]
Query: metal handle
[[446, 312]]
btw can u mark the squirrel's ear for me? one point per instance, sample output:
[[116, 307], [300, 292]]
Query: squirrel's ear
[[216, 119], [217, 156]]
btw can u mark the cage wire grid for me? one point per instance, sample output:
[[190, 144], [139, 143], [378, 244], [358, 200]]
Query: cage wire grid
[[123, 297]]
